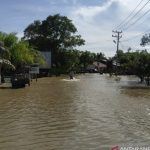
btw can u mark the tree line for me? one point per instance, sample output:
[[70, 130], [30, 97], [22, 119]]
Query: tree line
[[18, 52], [131, 63], [58, 35]]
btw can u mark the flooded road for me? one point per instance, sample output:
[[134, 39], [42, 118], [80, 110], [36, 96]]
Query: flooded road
[[93, 113]]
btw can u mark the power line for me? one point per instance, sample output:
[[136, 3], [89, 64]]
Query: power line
[[124, 47], [137, 20], [126, 40], [135, 14], [143, 21], [97, 42], [129, 15], [140, 34]]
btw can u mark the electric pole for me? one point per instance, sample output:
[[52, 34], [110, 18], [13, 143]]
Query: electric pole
[[118, 37]]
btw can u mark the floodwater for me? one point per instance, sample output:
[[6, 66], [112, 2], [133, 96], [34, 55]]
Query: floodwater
[[94, 113]]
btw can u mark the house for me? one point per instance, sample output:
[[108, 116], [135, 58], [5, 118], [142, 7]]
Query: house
[[96, 67], [91, 68]]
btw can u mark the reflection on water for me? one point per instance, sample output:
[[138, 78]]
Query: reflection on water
[[95, 113]]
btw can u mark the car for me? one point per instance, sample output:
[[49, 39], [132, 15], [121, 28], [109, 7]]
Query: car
[[19, 81]]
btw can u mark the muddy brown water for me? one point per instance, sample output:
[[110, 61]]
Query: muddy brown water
[[93, 113]]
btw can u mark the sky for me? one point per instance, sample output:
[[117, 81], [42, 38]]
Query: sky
[[94, 20]]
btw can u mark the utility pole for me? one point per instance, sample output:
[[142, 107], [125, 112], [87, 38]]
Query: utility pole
[[118, 37]]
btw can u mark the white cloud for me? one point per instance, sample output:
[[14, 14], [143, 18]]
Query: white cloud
[[91, 11], [97, 36], [95, 24]]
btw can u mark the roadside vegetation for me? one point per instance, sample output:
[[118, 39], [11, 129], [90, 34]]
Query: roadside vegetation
[[58, 35]]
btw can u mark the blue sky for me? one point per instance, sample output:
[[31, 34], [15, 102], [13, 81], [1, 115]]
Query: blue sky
[[94, 19]]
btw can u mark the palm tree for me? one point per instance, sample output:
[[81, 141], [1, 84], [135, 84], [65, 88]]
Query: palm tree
[[3, 58]]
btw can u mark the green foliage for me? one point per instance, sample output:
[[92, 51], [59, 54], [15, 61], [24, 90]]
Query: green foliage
[[23, 54], [100, 56], [10, 39], [4, 53], [75, 60], [59, 35], [20, 53], [37, 57], [87, 58], [145, 40], [135, 63], [2, 36], [71, 59], [56, 34], [110, 67]]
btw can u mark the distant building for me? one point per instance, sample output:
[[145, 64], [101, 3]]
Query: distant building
[[115, 63], [100, 65], [96, 67], [91, 68]]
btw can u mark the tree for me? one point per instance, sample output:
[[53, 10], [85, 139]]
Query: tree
[[145, 40], [72, 59], [87, 58], [100, 57], [10, 39], [110, 66], [4, 55], [17, 52], [22, 54], [55, 33], [135, 63]]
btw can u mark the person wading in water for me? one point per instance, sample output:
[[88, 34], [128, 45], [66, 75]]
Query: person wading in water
[[71, 74]]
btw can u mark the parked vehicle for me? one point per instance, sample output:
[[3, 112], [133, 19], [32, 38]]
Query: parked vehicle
[[19, 81]]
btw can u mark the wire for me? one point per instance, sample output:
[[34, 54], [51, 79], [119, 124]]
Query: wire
[[130, 45], [129, 15], [128, 39], [137, 20], [136, 14], [97, 42]]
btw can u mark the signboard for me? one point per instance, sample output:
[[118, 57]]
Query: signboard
[[34, 70], [47, 58]]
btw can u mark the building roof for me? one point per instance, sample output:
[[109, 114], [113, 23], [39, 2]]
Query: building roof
[[99, 65]]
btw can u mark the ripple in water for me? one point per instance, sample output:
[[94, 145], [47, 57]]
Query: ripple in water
[[93, 114]]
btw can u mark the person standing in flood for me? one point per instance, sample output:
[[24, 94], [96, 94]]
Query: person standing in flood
[[71, 74]]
